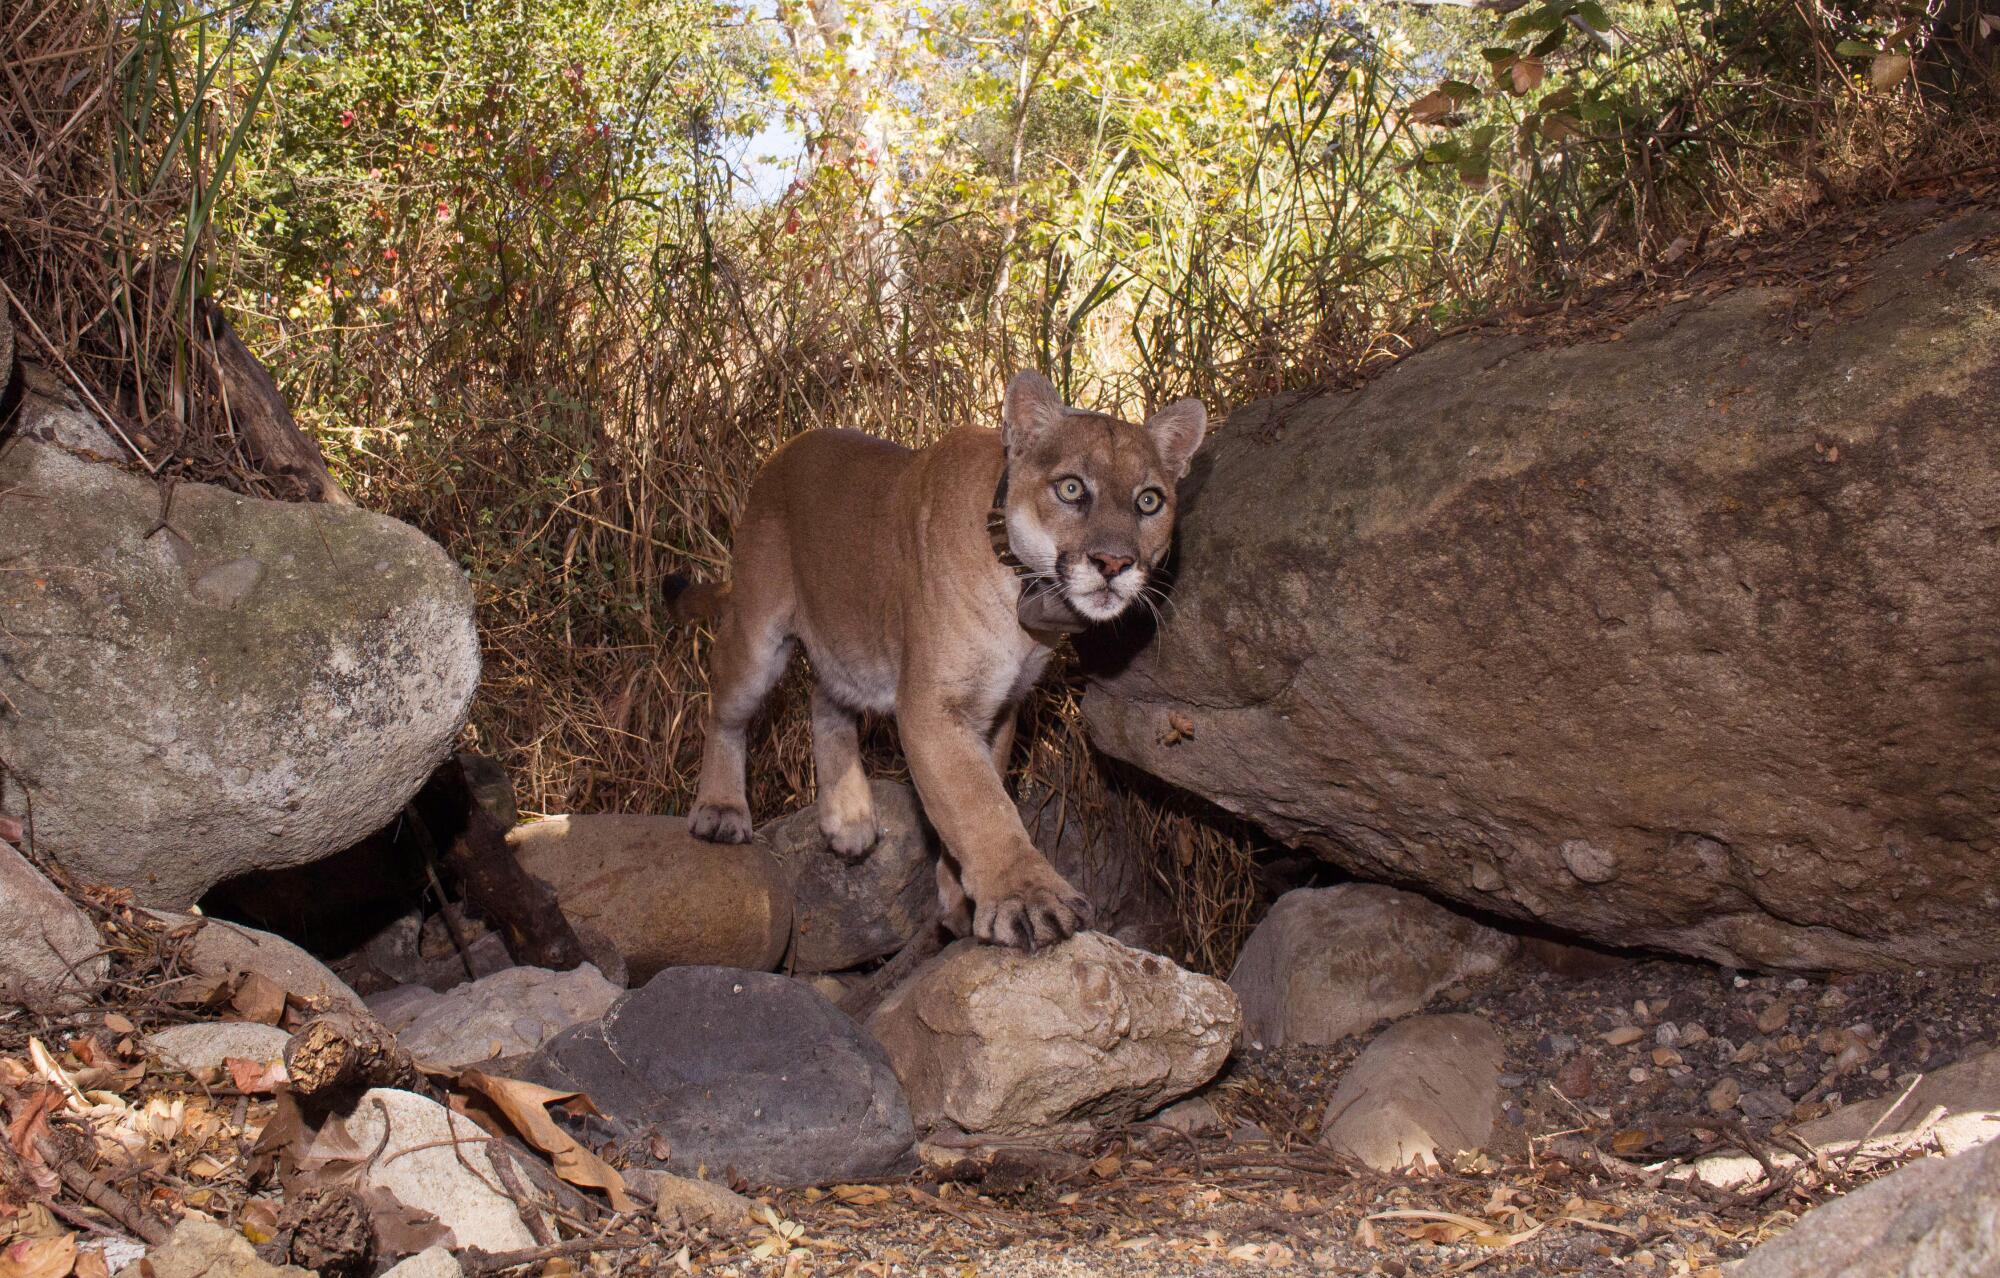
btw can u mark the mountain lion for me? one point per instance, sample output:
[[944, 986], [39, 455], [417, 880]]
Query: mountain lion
[[934, 584]]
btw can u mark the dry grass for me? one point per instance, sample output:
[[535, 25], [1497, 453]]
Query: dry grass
[[595, 423]]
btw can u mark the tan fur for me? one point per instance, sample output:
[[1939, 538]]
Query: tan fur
[[878, 560]]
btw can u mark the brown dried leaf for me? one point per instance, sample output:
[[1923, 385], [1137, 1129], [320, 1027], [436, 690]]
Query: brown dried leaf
[[1432, 107], [525, 1106], [255, 1076], [259, 998], [39, 1257], [10, 829]]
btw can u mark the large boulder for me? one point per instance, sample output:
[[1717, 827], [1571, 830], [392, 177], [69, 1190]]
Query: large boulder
[[200, 684], [663, 897], [846, 913], [1328, 962], [732, 1070], [1935, 1218], [1086, 1033], [1683, 640]]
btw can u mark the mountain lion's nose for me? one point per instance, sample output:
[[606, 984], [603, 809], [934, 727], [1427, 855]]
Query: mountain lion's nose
[[1110, 565]]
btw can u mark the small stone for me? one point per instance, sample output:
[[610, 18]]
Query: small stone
[[432, 1262], [432, 1160], [1192, 1116], [1765, 1104], [1692, 1034], [1668, 1034], [1575, 1078], [1750, 1051], [1429, 1089], [694, 1202], [1723, 1096], [1328, 962], [1512, 1081], [1773, 1018], [1624, 1035], [1666, 1057]]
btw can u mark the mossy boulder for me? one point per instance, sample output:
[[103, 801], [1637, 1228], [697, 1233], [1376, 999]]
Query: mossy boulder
[[196, 684]]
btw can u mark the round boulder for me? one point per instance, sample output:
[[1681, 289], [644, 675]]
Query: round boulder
[[199, 684]]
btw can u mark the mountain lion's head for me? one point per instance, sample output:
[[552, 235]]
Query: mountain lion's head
[[1090, 498]]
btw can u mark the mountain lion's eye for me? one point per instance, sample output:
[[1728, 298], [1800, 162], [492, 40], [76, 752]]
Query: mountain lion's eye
[[1070, 489], [1150, 501]]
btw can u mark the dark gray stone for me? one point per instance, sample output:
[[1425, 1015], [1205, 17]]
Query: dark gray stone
[[735, 1070], [846, 913]]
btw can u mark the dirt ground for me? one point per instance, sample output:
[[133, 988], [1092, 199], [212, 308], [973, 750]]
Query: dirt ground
[[1574, 1186]]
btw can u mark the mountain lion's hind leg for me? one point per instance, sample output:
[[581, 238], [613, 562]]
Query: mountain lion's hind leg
[[750, 654], [846, 808]]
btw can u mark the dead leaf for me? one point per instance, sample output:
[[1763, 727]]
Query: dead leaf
[[258, 1221], [402, 1230], [525, 1106], [1179, 729], [39, 1257], [1524, 74], [10, 829], [259, 998], [256, 1077], [91, 1264], [1432, 107], [1888, 68]]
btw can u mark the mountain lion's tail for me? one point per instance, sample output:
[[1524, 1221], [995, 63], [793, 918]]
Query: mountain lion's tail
[[689, 600]]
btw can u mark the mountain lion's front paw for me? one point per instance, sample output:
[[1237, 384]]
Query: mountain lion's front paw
[[1030, 907], [720, 823]]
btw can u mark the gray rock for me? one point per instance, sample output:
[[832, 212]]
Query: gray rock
[[219, 949], [735, 1069], [663, 897], [1935, 1218], [433, 1160], [1101, 855], [1680, 642], [50, 952], [1953, 1109], [176, 737], [208, 1045], [1086, 1033], [509, 1013], [50, 413], [1192, 1116], [432, 1262], [401, 952], [846, 913], [1424, 1089], [1328, 962], [201, 1248]]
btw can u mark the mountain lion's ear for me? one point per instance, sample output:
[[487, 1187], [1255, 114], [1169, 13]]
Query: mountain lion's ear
[[1032, 406], [1177, 431]]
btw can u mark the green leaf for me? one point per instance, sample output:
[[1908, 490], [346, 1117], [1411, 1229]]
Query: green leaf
[[1594, 16], [1855, 49]]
